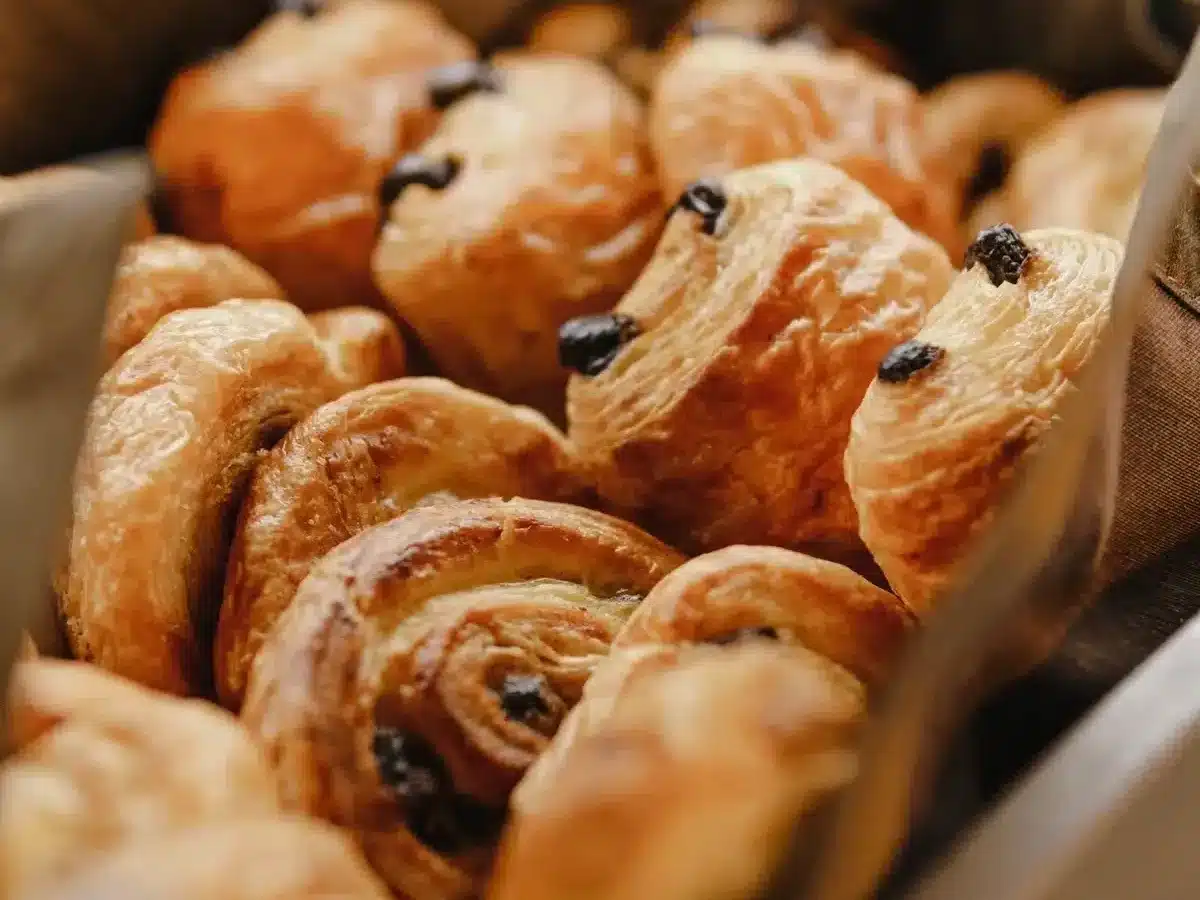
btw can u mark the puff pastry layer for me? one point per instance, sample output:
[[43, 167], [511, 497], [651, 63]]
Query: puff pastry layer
[[362, 345]]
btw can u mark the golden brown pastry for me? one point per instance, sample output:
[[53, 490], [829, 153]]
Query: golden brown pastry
[[976, 125], [363, 345], [425, 663], [277, 148], [725, 103], [955, 410], [592, 30], [714, 403], [769, 592], [174, 431], [361, 460], [535, 201], [684, 777], [164, 274]]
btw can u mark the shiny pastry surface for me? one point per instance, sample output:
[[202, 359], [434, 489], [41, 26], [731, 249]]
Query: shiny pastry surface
[[535, 201], [426, 662], [719, 395], [362, 345], [683, 775], [277, 147], [955, 410], [592, 30], [173, 433], [164, 274], [359, 461], [725, 103]]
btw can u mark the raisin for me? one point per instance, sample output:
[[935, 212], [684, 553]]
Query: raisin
[[990, 172], [706, 198], [1001, 251], [905, 360], [521, 697], [449, 84], [306, 9], [435, 174], [589, 344], [408, 766], [745, 634]]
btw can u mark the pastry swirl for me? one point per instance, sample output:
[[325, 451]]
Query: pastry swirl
[[424, 664], [940, 434], [359, 461], [722, 408]]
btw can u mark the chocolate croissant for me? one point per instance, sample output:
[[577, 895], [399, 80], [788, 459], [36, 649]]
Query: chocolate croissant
[[424, 664], [714, 403], [276, 147], [955, 410], [359, 461], [535, 201]]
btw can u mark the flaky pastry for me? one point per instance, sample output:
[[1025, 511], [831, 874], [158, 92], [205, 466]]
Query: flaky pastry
[[725, 103], [277, 147], [535, 201], [424, 664], [714, 403], [593, 30], [361, 460], [686, 778], [955, 410], [362, 345], [174, 431]]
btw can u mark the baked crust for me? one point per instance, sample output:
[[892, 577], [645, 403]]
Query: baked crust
[[683, 775], [725, 421], [277, 148], [552, 214], [592, 30], [413, 626], [725, 103], [173, 433], [930, 457], [363, 346], [359, 461]]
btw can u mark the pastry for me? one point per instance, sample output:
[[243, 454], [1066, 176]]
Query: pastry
[[99, 762], [770, 592], [277, 147], [976, 124], [953, 411], [173, 433], [685, 778], [713, 404], [592, 30], [425, 662], [359, 461], [725, 103], [535, 201], [1086, 170], [161, 275], [362, 345]]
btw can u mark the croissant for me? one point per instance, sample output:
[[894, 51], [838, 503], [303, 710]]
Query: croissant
[[535, 201], [953, 411], [362, 345], [713, 405], [361, 460], [725, 103], [424, 664], [276, 148]]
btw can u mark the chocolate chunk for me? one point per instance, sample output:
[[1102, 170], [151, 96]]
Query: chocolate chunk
[[745, 634], [521, 697], [1001, 251], [307, 9], [706, 198], [449, 84], [435, 174], [905, 360], [589, 344], [991, 170]]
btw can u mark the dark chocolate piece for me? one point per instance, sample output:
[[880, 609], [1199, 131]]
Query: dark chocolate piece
[[905, 360], [522, 697], [308, 9], [706, 198], [449, 84], [744, 634], [589, 344], [435, 174], [1001, 251]]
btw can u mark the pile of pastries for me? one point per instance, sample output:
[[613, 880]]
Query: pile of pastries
[[512, 476]]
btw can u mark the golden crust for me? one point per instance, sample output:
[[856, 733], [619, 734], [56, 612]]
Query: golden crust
[[174, 431], [725, 103], [725, 421], [363, 345], [592, 30], [278, 147], [930, 458], [161, 275], [357, 462], [552, 215], [413, 625], [685, 776], [819, 605]]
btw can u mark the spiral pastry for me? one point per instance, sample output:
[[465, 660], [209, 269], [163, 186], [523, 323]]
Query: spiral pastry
[[359, 461], [423, 665], [954, 411], [714, 403]]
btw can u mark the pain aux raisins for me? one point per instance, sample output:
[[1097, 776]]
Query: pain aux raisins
[[522, 697], [745, 634], [415, 168], [1001, 252], [907, 359], [589, 344], [449, 84], [706, 198]]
